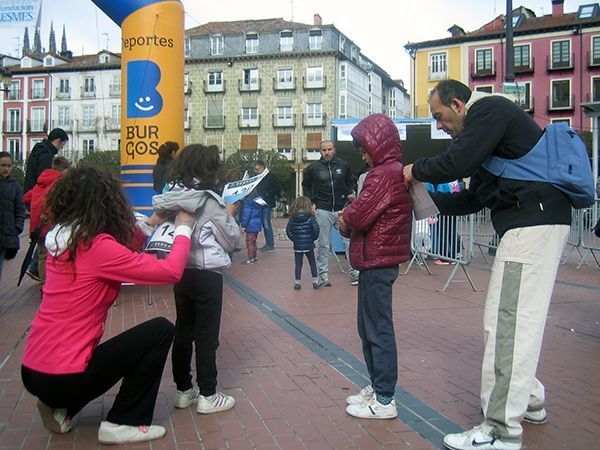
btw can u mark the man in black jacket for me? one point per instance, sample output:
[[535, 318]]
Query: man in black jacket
[[41, 156], [329, 184], [268, 189], [532, 219]]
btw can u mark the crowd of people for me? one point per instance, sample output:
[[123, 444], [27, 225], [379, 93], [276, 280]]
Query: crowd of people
[[90, 242]]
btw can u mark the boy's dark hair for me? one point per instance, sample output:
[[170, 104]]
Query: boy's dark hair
[[92, 201], [165, 151], [58, 133], [260, 163], [60, 163], [5, 155], [450, 89], [197, 167]]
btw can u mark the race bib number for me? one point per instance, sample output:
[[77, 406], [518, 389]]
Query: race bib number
[[162, 238]]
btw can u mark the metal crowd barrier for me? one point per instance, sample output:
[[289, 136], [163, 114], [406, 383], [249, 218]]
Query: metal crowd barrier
[[453, 239]]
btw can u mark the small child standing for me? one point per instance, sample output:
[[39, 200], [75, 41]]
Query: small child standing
[[12, 210], [35, 198], [379, 225], [303, 230], [251, 221]]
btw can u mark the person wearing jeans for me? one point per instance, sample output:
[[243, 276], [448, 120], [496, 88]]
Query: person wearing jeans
[[268, 189]]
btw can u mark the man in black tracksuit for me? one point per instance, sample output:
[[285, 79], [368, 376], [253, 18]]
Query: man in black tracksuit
[[532, 219], [329, 184]]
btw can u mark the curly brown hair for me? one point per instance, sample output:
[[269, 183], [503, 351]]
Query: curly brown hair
[[198, 167], [91, 201]]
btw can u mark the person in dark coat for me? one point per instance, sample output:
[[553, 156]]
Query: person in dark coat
[[268, 189], [12, 211], [41, 156], [303, 230], [166, 153], [379, 225]]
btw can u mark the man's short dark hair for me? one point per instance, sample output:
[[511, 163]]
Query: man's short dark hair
[[450, 89], [60, 163], [260, 163], [58, 133]]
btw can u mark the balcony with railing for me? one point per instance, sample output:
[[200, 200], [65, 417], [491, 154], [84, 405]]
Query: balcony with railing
[[37, 126], [314, 121], [311, 154], [114, 90], [38, 94], [12, 126], [483, 72], [112, 124], [279, 85], [288, 153], [63, 94], [284, 122], [65, 124], [249, 122], [523, 68], [88, 125], [214, 88], [559, 65], [213, 122], [88, 93], [13, 94], [318, 83], [253, 86], [567, 104]]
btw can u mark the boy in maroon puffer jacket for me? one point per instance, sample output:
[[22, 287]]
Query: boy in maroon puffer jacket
[[379, 226]]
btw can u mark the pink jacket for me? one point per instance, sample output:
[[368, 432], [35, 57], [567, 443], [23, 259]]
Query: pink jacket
[[380, 219], [70, 321]]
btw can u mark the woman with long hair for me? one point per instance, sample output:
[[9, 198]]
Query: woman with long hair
[[91, 251]]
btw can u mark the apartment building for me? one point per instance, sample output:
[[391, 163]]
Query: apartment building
[[556, 60], [274, 84], [82, 95]]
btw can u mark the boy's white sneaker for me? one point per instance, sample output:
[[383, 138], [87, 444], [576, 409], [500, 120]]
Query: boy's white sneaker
[[364, 395], [215, 403], [110, 433], [183, 399], [478, 438], [372, 409]]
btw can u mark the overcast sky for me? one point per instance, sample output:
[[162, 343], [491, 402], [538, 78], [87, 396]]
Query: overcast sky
[[379, 27]]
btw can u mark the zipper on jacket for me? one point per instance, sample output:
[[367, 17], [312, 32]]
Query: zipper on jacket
[[332, 188]]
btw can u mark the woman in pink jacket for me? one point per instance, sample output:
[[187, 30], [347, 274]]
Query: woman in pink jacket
[[90, 253]]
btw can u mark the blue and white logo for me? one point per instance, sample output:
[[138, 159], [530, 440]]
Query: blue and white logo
[[143, 100]]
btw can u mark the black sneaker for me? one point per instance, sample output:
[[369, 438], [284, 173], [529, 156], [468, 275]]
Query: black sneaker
[[297, 286], [315, 285], [267, 249]]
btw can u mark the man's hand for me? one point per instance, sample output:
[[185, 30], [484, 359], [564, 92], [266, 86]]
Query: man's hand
[[351, 197], [408, 176], [343, 226]]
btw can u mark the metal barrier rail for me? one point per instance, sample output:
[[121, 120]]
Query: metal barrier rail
[[586, 219]]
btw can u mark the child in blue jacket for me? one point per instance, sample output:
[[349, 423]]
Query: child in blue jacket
[[303, 230], [252, 224]]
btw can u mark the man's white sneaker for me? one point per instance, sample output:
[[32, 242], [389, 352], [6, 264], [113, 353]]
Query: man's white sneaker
[[478, 439], [55, 420], [183, 399], [372, 409], [363, 396], [215, 403], [536, 417], [111, 433]]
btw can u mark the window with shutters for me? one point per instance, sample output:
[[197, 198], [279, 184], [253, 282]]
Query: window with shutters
[[249, 142]]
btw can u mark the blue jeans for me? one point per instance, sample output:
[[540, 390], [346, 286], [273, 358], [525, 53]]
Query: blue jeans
[[376, 327], [267, 227]]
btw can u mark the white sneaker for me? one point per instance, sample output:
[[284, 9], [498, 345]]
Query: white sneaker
[[56, 419], [372, 409], [183, 399], [478, 439], [536, 417], [215, 403], [111, 433], [363, 396]]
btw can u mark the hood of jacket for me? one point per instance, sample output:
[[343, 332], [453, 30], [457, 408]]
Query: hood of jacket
[[378, 136], [57, 239], [47, 177], [189, 200], [476, 96]]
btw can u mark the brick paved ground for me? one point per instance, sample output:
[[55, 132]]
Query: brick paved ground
[[291, 357]]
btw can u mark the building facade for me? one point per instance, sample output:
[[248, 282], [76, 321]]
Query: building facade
[[556, 62]]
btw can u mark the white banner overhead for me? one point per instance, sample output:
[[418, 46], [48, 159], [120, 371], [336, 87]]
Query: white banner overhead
[[19, 13]]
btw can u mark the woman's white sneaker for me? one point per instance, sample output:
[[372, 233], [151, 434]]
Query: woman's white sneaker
[[111, 433], [372, 409], [183, 399], [54, 419], [364, 395], [215, 403]]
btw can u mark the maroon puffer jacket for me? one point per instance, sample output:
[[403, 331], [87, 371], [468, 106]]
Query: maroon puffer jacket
[[380, 220]]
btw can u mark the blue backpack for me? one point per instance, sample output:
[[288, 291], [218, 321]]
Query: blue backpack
[[559, 158]]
